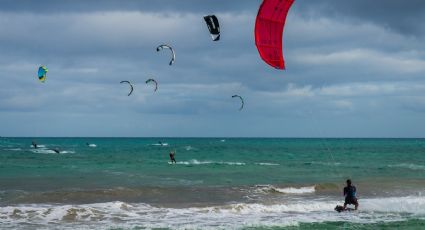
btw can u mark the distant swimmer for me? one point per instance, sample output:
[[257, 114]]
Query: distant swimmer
[[172, 159], [350, 195], [91, 145], [33, 144]]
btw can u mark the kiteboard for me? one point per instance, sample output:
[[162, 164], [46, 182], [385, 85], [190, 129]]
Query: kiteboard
[[340, 208]]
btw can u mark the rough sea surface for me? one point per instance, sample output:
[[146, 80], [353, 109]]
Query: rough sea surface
[[217, 183]]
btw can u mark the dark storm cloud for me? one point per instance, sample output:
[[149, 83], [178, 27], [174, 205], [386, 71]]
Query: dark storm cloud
[[63, 6], [402, 16]]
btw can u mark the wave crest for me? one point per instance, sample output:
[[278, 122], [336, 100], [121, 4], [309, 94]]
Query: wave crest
[[286, 190], [125, 215]]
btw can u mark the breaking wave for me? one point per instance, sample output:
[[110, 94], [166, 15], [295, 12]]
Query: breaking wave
[[286, 190], [233, 216], [49, 151]]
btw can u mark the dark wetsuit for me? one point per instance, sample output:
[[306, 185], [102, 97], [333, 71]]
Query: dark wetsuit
[[173, 160], [350, 195]]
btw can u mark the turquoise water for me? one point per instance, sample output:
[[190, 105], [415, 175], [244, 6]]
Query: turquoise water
[[219, 182]]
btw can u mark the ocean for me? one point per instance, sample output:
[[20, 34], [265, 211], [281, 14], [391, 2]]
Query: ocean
[[217, 183]]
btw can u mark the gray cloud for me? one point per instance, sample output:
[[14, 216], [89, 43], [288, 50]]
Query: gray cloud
[[401, 16], [354, 68], [184, 6]]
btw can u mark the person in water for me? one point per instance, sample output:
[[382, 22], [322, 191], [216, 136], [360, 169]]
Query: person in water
[[34, 144], [172, 159], [350, 195]]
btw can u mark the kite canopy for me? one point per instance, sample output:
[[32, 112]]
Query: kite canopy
[[269, 29], [242, 102], [213, 26], [154, 81], [173, 55], [131, 87], [42, 73]]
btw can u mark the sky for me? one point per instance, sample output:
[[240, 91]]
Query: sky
[[354, 69]]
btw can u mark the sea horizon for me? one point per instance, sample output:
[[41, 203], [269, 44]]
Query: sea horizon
[[213, 137]]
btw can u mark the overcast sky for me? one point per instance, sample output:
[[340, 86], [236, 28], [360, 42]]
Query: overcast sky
[[354, 69]]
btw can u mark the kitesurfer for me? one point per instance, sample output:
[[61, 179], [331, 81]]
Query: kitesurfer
[[350, 195], [172, 159], [34, 145]]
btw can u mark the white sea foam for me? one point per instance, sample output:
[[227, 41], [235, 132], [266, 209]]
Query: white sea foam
[[408, 166], [43, 151], [66, 151], [50, 151], [233, 216], [39, 146], [291, 190], [413, 204], [92, 145], [160, 144], [14, 149], [197, 162], [286, 190], [267, 164]]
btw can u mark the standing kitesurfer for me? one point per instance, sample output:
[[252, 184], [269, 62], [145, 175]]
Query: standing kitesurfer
[[350, 195], [172, 159], [34, 144]]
